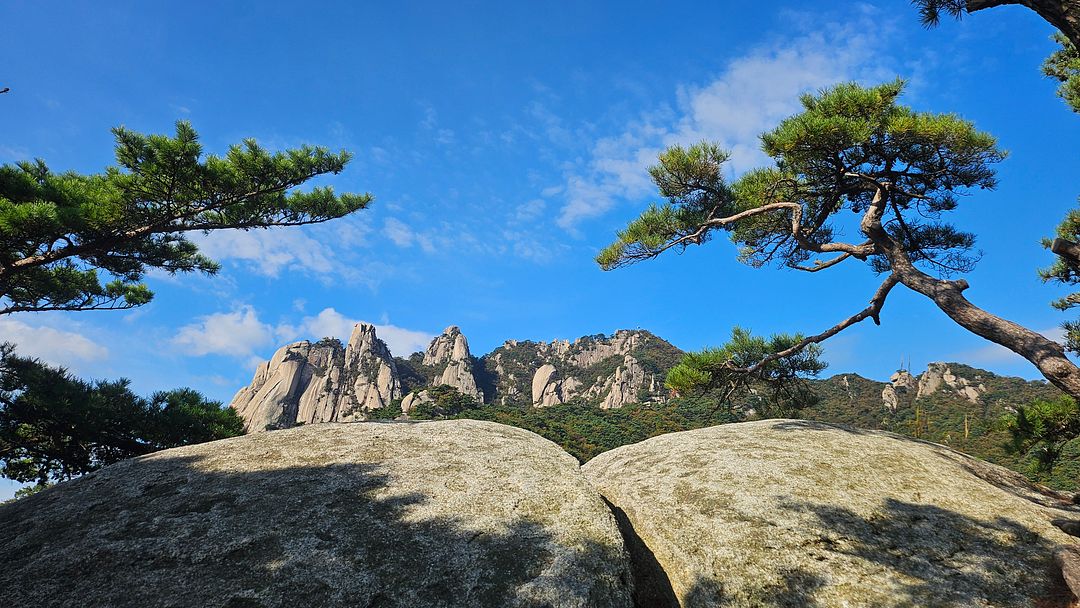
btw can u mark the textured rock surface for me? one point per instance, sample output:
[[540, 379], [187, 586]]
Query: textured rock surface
[[451, 513], [325, 382], [301, 382], [889, 398], [549, 388], [940, 375], [414, 399], [450, 353], [370, 375], [321, 382], [608, 371], [795, 513]]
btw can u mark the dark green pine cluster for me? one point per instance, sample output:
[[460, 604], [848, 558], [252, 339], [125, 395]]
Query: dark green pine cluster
[[77, 242], [54, 426]]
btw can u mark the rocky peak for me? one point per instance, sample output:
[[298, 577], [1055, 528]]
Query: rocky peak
[[591, 350], [939, 375], [307, 382], [449, 355], [448, 346], [902, 380], [372, 378], [549, 388]]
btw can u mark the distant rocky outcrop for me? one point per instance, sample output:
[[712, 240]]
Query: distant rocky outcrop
[[903, 387], [940, 376], [608, 371], [796, 513], [409, 515], [308, 382]]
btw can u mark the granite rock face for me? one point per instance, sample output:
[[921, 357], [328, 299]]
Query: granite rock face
[[448, 513], [797, 513], [939, 376], [450, 353], [301, 382], [308, 382], [321, 382], [608, 371]]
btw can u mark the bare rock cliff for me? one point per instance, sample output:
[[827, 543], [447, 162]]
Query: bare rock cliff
[[309, 382], [326, 381], [450, 353]]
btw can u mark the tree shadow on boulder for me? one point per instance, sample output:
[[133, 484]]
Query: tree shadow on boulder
[[929, 556], [166, 532]]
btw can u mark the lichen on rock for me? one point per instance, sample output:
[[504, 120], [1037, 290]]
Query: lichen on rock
[[447, 513]]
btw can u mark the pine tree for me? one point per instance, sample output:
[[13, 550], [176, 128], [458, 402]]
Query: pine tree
[[851, 149], [80, 242]]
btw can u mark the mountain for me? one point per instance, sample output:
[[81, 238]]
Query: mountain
[[600, 392], [307, 382], [321, 382]]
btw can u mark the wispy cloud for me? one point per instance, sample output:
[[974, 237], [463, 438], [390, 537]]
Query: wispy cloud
[[403, 236], [750, 95], [993, 354], [327, 251]]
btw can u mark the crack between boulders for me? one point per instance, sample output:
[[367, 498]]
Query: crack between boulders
[[652, 587]]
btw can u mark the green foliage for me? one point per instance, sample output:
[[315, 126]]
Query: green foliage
[[1042, 429], [447, 402], [330, 342], [930, 11], [777, 388], [54, 426], [826, 157], [1064, 66], [585, 431], [76, 242], [388, 412], [690, 178]]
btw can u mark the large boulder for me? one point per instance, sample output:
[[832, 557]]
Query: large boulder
[[450, 513], [796, 513]]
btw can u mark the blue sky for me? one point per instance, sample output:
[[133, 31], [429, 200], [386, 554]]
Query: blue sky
[[504, 144]]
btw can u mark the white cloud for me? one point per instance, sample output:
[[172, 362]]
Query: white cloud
[[331, 323], [532, 210], [237, 334], [329, 251], [751, 95], [55, 346]]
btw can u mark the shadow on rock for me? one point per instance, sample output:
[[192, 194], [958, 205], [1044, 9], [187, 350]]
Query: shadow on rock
[[327, 535], [930, 556]]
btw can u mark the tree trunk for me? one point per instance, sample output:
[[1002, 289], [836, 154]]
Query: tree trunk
[[1044, 353], [1062, 14]]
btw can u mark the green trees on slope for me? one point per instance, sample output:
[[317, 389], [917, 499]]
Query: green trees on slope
[[54, 427], [82, 242], [1043, 430]]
